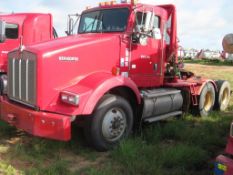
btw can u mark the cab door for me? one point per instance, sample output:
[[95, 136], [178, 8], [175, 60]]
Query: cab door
[[147, 49]]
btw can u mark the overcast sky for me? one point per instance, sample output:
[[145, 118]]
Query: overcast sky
[[201, 23]]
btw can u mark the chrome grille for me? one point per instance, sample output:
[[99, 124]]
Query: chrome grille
[[22, 77]]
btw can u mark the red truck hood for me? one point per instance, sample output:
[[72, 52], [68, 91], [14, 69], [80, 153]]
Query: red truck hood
[[66, 61], [60, 45]]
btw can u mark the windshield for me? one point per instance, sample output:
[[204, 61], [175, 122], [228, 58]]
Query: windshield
[[110, 20], [11, 31]]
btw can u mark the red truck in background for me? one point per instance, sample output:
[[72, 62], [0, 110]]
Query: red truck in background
[[224, 163], [120, 69], [22, 29]]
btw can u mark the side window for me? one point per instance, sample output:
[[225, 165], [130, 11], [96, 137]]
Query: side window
[[167, 30], [12, 31], [140, 22], [156, 23]]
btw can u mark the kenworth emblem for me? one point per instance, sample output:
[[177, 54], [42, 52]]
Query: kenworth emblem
[[64, 58]]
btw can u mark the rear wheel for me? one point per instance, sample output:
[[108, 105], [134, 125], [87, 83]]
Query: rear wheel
[[223, 95], [206, 100], [112, 121]]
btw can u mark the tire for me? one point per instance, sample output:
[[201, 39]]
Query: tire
[[223, 96], [111, 122], [206, 100]]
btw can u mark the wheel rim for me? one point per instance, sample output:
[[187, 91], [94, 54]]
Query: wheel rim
[[114, 124], [225, 97], [208, 101]]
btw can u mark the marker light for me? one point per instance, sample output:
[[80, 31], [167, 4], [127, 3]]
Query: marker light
[[133, 2], [116, 71], [70, 98], [113, 2], [101, 3], [107, 3]]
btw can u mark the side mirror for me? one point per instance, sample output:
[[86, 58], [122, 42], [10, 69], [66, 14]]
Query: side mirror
[[156, 33], [2, 31], [148, 22], [70, 26], [72, 23]]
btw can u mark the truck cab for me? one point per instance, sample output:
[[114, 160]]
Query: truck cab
[[118, 70], [24, 29]]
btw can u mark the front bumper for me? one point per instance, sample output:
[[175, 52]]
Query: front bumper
[[37, 123], [223, 165]]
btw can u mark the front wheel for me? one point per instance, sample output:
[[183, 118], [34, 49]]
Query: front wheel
[[111, 121]]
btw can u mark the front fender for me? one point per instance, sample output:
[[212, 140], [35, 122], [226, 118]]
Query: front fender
[[94, 86]]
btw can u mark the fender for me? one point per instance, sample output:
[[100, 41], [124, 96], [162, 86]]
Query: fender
[[94, 86], [204, 83]]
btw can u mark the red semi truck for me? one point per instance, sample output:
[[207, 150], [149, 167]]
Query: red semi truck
[[120, 69], [22, 29], [224, 163]]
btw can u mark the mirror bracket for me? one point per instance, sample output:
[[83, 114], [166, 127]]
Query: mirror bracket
[[2, 31]]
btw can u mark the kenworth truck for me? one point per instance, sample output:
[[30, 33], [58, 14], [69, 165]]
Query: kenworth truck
[[224, 163], [22, 29], [121, 69]]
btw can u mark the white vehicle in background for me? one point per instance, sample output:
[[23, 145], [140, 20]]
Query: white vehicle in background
[[190, 53]]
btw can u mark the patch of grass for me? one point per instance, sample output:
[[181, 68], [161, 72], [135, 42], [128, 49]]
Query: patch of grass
[[4, 149], [107, 169], [183, 156], [215, 62], [7, 169], [141, 158], [43, 156], [6, 130], [131, 156], [57, 168], [36, 149], [178, 146]]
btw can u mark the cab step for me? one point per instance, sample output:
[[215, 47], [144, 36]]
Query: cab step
[[162, 117]]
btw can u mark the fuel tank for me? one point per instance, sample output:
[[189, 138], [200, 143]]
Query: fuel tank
[[162, 101]]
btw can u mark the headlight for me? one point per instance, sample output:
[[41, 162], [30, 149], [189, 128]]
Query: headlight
[[3, 84], [70, 98]]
